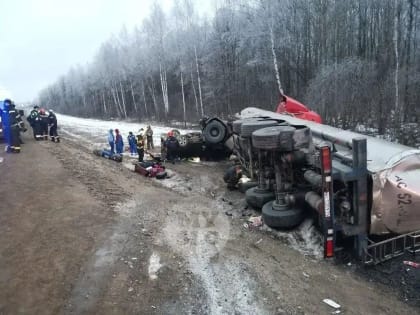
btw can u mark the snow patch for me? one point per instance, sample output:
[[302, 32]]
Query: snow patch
[[305, 238], [154, 266]]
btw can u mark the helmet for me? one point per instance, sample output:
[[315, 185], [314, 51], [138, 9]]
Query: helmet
[[36, 107], [7, 102], [51, 111]]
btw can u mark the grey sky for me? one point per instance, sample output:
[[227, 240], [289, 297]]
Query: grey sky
[[42, 39]]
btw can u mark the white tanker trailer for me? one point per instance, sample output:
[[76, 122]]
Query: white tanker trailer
[[362, 187]]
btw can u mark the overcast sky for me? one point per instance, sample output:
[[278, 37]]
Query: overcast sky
[[42, 39]]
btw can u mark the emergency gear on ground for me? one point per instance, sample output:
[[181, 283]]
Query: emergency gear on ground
[[111, 140], [44, 124], [52, 122], [132, 143], [149, 138], [140, 147], [119, 143], [35, 122]]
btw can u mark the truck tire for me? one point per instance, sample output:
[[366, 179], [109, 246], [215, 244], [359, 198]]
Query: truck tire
[[183, 141], [243, 187], [237, 124], [248, 128], [282, 219], [278, 138], [257, 198], [214, 132]]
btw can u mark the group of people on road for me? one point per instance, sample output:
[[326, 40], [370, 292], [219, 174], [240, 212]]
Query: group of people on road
[[43, 124], [12, 126], [136, 142]]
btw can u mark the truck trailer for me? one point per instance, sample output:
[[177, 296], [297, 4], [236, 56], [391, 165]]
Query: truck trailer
[[363, 189]]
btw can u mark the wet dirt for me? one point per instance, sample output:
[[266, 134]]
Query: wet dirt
[[86, 235]]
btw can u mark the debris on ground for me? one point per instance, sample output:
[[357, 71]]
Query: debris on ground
[[411, 263], [255, 221], [331, 303]]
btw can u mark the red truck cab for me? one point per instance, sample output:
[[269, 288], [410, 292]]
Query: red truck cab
[[290, 106]]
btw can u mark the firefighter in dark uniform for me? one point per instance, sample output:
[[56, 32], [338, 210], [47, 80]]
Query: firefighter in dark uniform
[[35, 122], [52, 122], [12, 123], [140, 146], [172, 147], [44, 124]]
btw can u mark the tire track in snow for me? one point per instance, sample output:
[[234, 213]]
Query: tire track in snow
[[199, 232]]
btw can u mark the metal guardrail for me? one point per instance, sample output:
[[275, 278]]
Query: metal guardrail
[[378, 252]]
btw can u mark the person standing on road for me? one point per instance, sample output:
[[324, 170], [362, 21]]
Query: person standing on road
[[44, 124], [119, 144], [132, 143], [52, 122], [12, 123], [35, 122], [149, 138], [111, 140], [140, 146], [172, 146]]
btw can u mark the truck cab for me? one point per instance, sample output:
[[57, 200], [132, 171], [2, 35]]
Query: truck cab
[[290, 106]]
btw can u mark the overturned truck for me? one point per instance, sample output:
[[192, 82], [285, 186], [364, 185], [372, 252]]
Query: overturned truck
[[362, 189]]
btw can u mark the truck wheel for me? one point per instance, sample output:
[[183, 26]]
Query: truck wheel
[[214, 132], [183, 141], [274, 138], [248, 128], [237, 124], [243, 187], [257, 198], [282, 219]]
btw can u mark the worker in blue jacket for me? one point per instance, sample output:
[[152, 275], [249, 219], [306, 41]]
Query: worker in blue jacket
[[132, 143], [12, 124]]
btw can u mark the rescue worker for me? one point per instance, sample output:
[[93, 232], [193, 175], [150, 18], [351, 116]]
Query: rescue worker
[[35, 122], [172, 146], [119, 144], [12, 123], [44, 124], [232, 176], [111, 140], [132, 143], [52, 122], [149, 138], [140, 146]]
